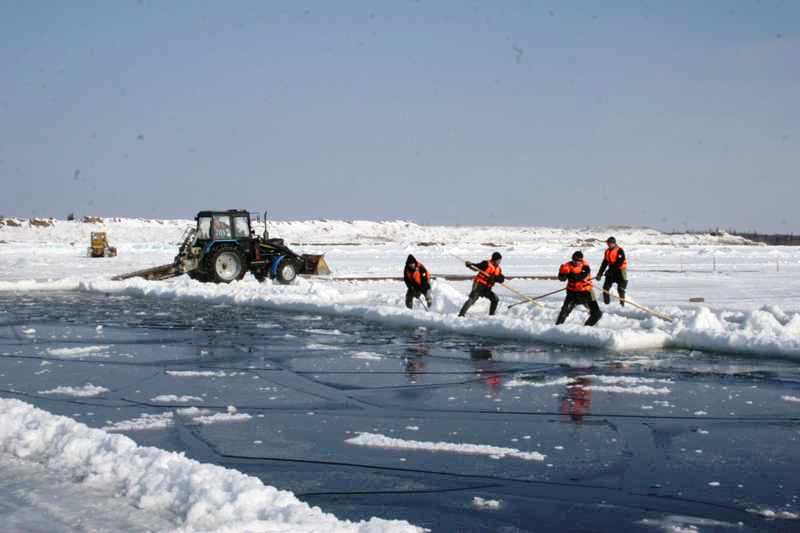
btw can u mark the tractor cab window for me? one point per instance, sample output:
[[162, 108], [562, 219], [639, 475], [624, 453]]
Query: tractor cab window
[[241, 227], [222, 227], [204, 228]]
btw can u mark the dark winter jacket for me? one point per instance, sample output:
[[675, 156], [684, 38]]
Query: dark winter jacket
[[616, 266], [416, 276]]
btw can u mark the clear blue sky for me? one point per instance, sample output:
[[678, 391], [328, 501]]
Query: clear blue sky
[[670, 114]]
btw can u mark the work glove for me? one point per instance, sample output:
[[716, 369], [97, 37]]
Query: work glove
[[500, 279], [468, 264]]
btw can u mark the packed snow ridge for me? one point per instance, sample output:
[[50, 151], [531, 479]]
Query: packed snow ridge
[[618, 384], [376, 440], [766, 331], [86, 391], [200, 497]]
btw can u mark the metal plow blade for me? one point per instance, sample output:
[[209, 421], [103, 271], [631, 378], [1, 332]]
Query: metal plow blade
[[316, 265], [156, 273]]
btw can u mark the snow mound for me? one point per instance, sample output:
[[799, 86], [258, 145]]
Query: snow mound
[[376, 440], [205, 416], [86, 391], [95, 351], [616, 384], [144, 422], [480, 503], [197, 373], [201, 497], [172, 398], [769, 513]]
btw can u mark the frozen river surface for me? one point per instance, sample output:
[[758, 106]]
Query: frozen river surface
[[446, 431]]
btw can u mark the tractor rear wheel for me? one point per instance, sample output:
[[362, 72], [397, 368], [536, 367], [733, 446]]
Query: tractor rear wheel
[[287, 271], [226, 264]]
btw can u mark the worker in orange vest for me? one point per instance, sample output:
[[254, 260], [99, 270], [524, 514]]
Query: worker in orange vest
[[418, 281], [489, 273], [617, 264], [577, 274]]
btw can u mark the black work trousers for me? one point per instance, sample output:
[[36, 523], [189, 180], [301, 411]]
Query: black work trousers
[[480, 290], [620, 277], [413, 294], [584, 298]]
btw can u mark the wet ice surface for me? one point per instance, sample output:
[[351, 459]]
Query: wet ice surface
[[367, 420]]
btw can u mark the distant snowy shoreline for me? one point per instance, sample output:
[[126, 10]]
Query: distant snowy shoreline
[[344, 231]]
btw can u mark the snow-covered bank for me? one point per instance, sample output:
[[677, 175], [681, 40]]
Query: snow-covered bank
[[764, 332], [136, 230], [199, 497]]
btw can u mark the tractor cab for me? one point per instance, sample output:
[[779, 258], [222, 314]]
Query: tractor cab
[[228, 226]]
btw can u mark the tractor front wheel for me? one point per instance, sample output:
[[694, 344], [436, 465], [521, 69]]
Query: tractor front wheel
[[226, 264], [287, 271]]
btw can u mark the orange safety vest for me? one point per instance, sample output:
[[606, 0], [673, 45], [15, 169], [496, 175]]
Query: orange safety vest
[[492, 271], [416, 276], [583, 285], [611, 257]]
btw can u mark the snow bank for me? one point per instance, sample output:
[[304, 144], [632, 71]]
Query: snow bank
[[768, 331], [756, 332], [376, 440], [201, 497]]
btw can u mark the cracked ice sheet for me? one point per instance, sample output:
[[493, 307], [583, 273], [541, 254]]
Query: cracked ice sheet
[[344, 370], [744, 463], [229, 387], [59, 336], [579, 395], [322, 436], [34, 376]]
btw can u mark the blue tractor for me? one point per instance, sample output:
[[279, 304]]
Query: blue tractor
[[223, 247]]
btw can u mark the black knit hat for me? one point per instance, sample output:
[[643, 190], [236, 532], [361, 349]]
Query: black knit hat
[[411, 260], [611, 239], [577, 256], [496, 256]]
